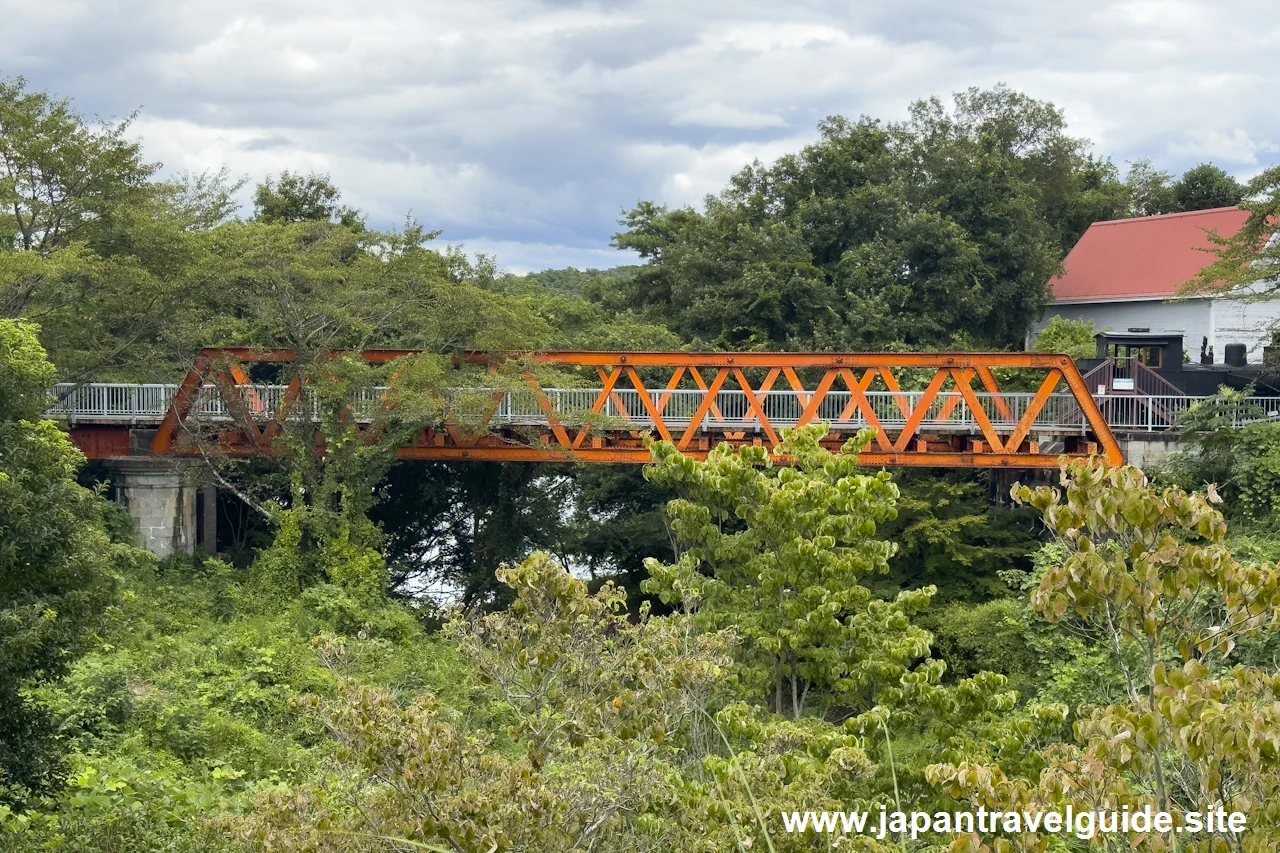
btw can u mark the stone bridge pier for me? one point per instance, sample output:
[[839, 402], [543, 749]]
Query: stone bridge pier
[[172, 514], [1144, 449]]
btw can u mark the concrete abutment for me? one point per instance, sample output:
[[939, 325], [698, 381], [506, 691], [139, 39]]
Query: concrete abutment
[[172, 514]]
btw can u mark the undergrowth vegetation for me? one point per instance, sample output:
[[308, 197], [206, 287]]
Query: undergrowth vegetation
[[186, 707]]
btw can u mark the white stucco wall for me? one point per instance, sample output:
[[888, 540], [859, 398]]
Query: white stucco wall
[[1190, 318], [1223, 321], [1248, 323]]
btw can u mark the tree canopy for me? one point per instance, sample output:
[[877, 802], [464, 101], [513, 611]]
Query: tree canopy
[[1201, 187], [1074, 337], [939, 230], [58, 175], [301, 198], [942, 230]]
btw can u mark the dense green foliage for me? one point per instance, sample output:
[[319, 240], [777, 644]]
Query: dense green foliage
[[301, 198], [1242, 463], [184, 707], [778, 556], [1146, 574], [1074, 337], [1202, 187], [653, 733], [950, 534], [875, 235], [57, 562]]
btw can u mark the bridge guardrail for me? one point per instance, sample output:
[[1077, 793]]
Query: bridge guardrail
[[147, 403]]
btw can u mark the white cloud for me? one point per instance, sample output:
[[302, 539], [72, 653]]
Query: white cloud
[[718, 115], [766, 36], [692, 173], [521, 258], [527, 126], [1236, 147]]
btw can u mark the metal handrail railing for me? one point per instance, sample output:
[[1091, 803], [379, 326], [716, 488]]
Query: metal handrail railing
[[147, 403]]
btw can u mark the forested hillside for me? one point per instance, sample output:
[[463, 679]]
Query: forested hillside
[[491, 657]]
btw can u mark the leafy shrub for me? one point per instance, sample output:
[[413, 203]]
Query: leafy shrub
[[95, 699], [990, 636], [119, 806], [1073, 337], [1257, 470], [342, 612], [614, 744]]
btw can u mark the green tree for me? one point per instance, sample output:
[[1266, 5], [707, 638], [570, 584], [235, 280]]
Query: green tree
[[1256, 473], [1150, 190], [1070, 187], [1215, 451], [56, 560], [293, 197], [780, 554], [1201, 187], [614, 743], [152, 271], [1146, 573], [941, 229], [1244, 260], [570, 281], [950, 535], [1073, 337], [451, 526], [618, 522], [1204, 187], [317, 288], [92, 247], [58, 175]]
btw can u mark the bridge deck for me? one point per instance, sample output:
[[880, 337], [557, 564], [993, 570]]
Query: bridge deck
[[956, 413]]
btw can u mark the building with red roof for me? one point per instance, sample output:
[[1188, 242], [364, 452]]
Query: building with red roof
[[1123, 275]]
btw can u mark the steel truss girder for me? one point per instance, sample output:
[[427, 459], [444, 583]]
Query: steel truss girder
[[841, 373]]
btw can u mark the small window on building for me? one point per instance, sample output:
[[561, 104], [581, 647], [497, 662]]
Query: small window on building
[[1151, 356]]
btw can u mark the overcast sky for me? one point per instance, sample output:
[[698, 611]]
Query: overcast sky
[[524, 128]]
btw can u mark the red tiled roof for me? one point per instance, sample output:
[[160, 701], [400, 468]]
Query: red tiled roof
[[1151, 256]]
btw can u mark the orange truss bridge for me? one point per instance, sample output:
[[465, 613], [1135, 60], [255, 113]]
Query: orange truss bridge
[[934, 409]]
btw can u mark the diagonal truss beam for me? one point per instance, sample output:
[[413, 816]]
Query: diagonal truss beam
[[928, 433]]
